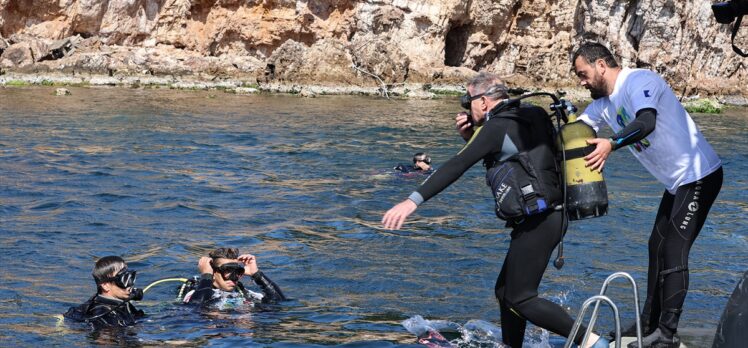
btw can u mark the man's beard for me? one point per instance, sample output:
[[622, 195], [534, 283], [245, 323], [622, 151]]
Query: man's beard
[[598, 89]]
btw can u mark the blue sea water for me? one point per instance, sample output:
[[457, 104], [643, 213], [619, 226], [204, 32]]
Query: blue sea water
[[161, 177]]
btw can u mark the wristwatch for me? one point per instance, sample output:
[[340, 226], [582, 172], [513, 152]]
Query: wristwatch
[[613, 144]]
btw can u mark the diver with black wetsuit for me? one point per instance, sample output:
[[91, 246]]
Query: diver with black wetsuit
[[504, 132], [101, 311], [219, 280], [421, 165], [111, 306]]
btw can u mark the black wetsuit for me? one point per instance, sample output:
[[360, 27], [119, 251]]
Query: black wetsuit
[[678, 222], [505, 133], [103, 312], [204, 291]]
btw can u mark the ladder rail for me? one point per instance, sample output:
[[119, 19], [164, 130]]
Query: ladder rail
[[578, 323], [604, 289]]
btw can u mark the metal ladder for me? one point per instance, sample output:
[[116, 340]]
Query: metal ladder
[[597, 299]]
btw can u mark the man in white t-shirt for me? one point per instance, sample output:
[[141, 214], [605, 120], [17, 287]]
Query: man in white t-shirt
[[646, 117]]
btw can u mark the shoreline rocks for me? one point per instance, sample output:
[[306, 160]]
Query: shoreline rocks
[[249, 87], [354, 47]]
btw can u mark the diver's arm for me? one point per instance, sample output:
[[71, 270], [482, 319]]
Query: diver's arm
[[486, 139], [271, 290], [204, 290], [638, 129], [642, 126]]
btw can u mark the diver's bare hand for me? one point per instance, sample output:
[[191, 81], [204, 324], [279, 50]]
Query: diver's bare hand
[[596, 159], [463, 126], [204, 265], [250, 264], [394, 218]]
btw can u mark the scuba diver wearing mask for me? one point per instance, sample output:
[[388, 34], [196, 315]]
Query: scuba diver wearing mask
[[421, 164], [219, 280], [111, 306], [519, 138]]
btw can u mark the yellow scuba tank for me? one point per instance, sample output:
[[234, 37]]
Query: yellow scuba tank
[[586, 193]]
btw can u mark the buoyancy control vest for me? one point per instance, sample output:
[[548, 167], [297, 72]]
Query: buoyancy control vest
[[527, 182]]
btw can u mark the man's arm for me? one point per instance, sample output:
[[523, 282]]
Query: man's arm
[[271, 290], [204, 290], [485, 139], [592, 115], [637, 130]]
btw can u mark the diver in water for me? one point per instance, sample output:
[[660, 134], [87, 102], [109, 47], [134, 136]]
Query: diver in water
[[647, 117], [421, 165], [219, 283], [504, 134], [111, 306]]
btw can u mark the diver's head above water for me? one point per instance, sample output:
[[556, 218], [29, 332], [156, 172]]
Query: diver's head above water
[[227, 267], [484, 92], [422, 161], [112, 277]]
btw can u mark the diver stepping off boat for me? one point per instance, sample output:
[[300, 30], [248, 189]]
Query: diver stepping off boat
[[505, 132]]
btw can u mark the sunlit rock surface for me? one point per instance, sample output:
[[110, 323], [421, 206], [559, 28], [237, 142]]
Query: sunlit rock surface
[[369, 43]]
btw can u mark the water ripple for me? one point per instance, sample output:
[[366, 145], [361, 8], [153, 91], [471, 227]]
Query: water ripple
[[163, 177]]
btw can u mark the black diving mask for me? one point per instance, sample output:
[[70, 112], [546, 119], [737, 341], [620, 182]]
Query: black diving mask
[[231, 270], [467, 99], [123, 279]]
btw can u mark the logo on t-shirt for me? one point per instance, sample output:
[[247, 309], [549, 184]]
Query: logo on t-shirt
[[646, 93], [623, 118]]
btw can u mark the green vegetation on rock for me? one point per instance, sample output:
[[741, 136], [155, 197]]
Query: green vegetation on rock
[[703, 106]]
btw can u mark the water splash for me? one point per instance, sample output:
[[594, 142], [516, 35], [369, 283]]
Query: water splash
[[475, 333]]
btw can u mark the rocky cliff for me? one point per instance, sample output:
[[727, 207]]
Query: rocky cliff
[[367, 43]]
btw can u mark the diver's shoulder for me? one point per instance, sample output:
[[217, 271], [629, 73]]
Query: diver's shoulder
[[633, 74]]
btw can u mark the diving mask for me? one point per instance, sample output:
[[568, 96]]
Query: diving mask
[[467, 99], [123, 279], [230, 270]]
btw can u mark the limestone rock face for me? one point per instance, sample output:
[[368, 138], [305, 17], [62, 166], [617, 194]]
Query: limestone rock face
[[370, 43]]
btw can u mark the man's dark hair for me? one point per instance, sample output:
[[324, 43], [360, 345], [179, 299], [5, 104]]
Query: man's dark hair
[[224, 253], [105, 267], [592, 51]]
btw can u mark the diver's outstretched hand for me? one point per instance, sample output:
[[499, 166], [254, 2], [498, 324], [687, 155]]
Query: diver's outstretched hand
[[393, 219], [250, 264]]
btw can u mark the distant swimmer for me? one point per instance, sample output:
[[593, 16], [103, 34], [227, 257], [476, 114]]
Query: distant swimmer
[[219, 285], [111, 306], [647, 117], [421, 165]]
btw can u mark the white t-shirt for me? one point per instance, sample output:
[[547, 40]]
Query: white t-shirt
[[676, 152]]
